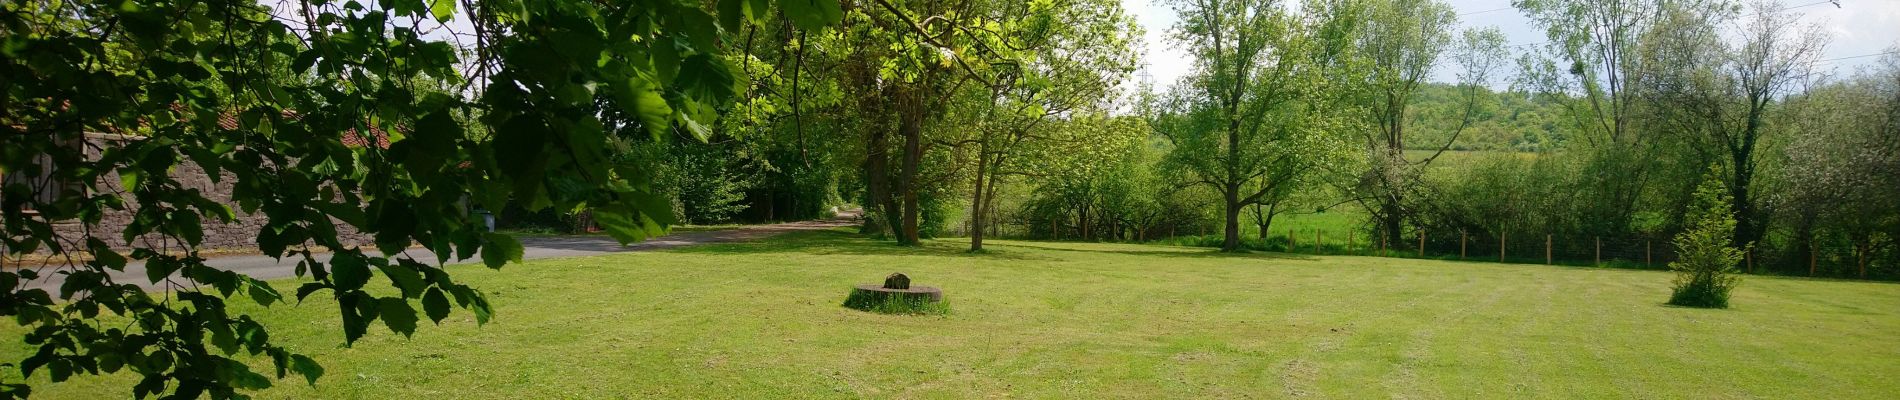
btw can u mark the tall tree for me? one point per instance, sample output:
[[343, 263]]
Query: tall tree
[[1404, 42], [1839, 169], [1246, 119], [1071, 55], [1591, 60], [909, 59], [1724, 93]]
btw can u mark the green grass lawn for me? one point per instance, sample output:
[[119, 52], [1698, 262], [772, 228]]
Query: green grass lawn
[[1070, 320]]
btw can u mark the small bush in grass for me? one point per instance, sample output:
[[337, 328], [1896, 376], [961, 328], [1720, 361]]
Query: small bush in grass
[[1705, 264], [902, 305]]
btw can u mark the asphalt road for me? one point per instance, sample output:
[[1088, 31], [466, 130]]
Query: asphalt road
[[535, 247]]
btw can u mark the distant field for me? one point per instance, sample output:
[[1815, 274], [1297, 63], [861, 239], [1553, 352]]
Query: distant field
[[1070, 320]]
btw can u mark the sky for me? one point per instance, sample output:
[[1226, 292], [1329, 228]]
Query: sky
[[1857, 29]]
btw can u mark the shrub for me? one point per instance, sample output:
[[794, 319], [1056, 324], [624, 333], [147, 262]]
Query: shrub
[[1705, 267]]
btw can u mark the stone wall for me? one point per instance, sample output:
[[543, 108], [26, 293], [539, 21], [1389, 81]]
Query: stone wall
[[238, 235]]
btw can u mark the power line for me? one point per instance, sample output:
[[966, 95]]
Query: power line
[[1837, 4], [1485, 11], [1859, 56]]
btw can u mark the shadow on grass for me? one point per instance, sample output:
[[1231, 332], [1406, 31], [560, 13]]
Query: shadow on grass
[[842, 241], [1184, 252]]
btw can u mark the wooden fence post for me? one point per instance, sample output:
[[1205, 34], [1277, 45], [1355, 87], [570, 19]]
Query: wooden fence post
[[1860, 257], [1316, 241], [1749, 258], [1421, 243], [1461, 244], [1547, 258], [1599, 240], [1349, 237], [1290, 247], [1812, 256], [1648, 258], [1500, 246]]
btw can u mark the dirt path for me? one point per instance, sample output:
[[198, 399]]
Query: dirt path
[[533, 248]]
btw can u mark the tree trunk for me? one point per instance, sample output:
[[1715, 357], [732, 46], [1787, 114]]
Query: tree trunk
[[1082, 222], [1390, 219], [1266, 220], [911, 126], [877, 179], [977, 196], [1748, 228], [1232, 240], [877, 152]]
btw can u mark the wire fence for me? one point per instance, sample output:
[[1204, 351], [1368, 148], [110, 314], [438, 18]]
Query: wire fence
[[1877, 259]]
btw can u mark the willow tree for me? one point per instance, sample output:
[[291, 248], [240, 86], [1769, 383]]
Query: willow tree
[[1255, 111], [537, 88]]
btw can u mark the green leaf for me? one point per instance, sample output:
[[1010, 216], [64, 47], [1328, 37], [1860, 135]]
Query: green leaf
[[518, 148], [222, 338], [397, 315], [304, 61], [500, 249], [348, 271], [188, 226], [666, 57], [474, 301], [406, 277], [103, 255], [479, 304], [262, 292], [404, 7], [620, 224], [129, 179], [307, 289], [395, 222], [436, 305], [444, 10], [812, 14], [760, 11], [432, 142], [356, 314], [158, 268], [700, 29], [641, 97], [731, 13], [708, 79]]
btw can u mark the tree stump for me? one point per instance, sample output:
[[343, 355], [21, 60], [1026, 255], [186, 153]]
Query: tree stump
[[895, 294]]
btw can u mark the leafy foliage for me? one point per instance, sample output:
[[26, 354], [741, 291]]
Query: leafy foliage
[[1705, 273], [1257, 113], [521, 111]]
